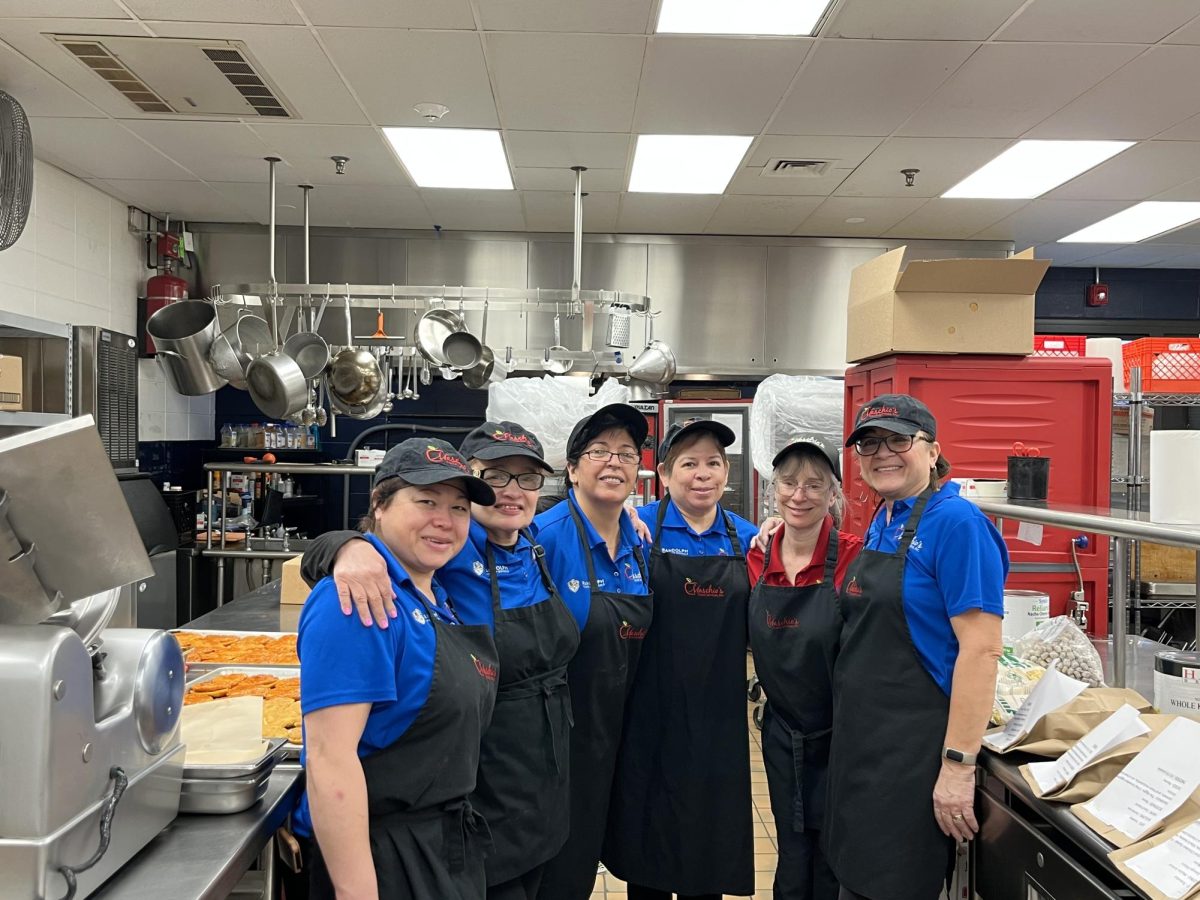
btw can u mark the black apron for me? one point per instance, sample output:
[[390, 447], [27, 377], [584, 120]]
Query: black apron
[[889, 722], [427, 841], [681, 816], [524, 762], [600, 675], [794, 636]]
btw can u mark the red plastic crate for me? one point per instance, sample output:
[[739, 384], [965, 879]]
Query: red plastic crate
[[1169, 365], [1059, 346]]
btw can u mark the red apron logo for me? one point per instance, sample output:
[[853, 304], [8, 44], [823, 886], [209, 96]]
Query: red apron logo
[[695, 589], [439, 456], [782, 622], [629, 633], [511, 438], [487, 670], [853, 588]]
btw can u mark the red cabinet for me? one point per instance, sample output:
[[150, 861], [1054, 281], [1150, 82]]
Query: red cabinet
[[985, 403]]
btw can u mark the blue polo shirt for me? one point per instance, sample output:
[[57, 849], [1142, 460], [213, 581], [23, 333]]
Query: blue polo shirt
[[343, 663], [679, 538], [556, 532], [467, 581], [957, 562]]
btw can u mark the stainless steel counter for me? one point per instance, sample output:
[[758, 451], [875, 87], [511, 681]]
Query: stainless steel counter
[[260, 610], [204, 857]]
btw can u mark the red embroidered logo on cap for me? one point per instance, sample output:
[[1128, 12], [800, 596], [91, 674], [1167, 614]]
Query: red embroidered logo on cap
[[696, 589], [438, 455], [782, 622], [629, 633], [853, 588], [511, 438], [487, 670], [874, 412]]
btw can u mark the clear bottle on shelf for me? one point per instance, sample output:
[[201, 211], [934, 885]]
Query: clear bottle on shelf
[[228, 436]]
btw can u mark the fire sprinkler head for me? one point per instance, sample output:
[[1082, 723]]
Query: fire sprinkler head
[[339, 163], [910, 176]]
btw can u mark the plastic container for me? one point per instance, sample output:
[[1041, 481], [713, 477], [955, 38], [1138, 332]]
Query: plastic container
[[1177, 683], [1028, 477], [1169, 365], [1059, 346]]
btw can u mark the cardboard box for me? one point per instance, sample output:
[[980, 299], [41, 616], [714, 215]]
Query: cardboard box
[[942, 306], [292, 588], [11, 385]]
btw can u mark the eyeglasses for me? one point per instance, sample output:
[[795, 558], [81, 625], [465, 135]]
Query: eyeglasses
[[600, 455], [787, 487], [897, 443], [526, 481]]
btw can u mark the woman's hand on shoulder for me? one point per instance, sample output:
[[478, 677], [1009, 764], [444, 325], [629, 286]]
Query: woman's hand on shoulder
[[361, 576], [640, 528], [769, 526]]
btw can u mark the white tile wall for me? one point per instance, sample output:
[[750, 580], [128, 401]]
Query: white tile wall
[[77, 263]]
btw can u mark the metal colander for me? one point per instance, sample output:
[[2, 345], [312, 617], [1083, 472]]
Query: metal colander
[[16, 170]]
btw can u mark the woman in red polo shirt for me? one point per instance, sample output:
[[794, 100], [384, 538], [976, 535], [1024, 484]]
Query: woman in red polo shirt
[[794, 633]]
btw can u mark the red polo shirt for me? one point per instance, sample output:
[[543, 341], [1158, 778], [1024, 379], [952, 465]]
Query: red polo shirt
[[848, 547]]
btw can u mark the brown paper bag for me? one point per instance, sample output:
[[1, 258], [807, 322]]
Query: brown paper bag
[[1092, 778], [1057, 731], [1189, 812], [1121, 857], [225, 732]]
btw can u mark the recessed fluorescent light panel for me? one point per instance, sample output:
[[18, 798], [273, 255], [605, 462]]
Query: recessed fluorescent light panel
[[1030, 168], [786, 17], [685, 163], [452, 157], [1145, 220]]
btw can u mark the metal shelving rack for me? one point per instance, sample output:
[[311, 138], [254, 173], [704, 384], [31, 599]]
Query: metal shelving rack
[[14, 326], [1136, 399]]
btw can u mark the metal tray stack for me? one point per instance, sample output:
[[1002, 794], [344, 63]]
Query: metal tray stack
[[224, 789], [204, 673], [201, 667]]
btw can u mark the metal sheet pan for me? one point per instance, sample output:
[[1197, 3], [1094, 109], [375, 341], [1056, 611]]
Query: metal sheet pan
[[276, 747], [222, 796], [260, 668], [291, 751]]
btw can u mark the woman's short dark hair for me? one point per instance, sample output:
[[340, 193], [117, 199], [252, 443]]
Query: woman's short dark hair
[[381, 496]]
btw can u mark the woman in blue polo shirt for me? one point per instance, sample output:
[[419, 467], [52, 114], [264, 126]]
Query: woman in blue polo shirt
[[596, 557], [393, 718], [915, 674], [500, 579], [681, 819]]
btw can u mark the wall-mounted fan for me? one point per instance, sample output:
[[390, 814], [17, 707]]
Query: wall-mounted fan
[[16, 170]]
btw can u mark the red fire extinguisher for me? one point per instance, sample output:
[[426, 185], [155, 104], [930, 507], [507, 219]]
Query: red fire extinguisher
[[165, 286]]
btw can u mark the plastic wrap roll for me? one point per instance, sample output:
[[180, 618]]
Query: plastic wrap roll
[[1110, 349], [1175, 477]]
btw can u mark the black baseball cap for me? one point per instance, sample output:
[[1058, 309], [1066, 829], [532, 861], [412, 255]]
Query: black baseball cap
[[677, 432], [496, 440], [615, 415], [899, 413], [430, 461], [816, 447]]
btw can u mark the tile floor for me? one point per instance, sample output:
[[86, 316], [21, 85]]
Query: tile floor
[[608, 887]]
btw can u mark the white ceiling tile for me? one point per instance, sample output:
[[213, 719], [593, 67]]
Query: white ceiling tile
[[212, 151], [580, 16], [1189, 191], [953, 218], [260, 12], [1150, 94], [555, 211], [594, 180], [707, 85], [186, 200], [931, 20], [1189, 234], [847, 151], [760, 215], [292, 59], [393, 70], [58, 9], [751, 180], [101, 148], [1139, 255], [1037, 80], [1071, 254], [1101, 21], [38, 92], [665, 213], [390, 13], [1188, 34], [1142, 171], [565, 82], [866, 87], [943, 163], [309, 148], [475, 210], [1048, 220], [564, 149], [345, 206], [1187, 130], [880, 213]]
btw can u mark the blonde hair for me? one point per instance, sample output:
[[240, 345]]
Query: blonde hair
[[803, 460]]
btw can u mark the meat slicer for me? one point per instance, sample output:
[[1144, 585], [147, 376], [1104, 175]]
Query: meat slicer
[[90, 758]]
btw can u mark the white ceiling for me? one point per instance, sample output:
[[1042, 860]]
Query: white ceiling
[[937, 85]]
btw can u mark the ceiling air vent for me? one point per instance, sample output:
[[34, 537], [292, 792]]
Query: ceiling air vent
[[797, 168], [181, 77]]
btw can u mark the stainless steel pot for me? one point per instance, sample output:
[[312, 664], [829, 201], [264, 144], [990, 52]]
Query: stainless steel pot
[[433, 330], [487, 370], [355, 379], [275, 380], [183, 334], [226, 362]]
